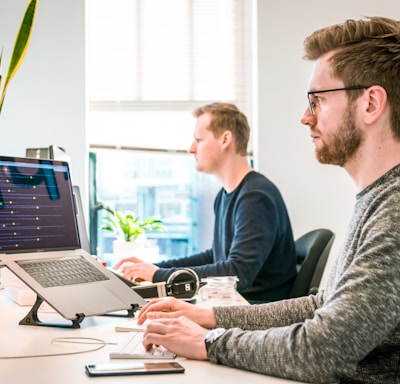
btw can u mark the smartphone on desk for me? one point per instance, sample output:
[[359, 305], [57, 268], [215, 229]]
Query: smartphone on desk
[[133, 368]]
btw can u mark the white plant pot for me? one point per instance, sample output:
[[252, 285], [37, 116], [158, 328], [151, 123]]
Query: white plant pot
[[138, 248], [122, 249]]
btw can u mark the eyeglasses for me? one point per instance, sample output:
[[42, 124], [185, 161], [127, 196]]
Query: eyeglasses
[[313, 101]]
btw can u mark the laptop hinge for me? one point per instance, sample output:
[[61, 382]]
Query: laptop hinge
[[32, 318]]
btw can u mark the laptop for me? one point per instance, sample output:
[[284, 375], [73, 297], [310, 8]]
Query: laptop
[[39, 225]]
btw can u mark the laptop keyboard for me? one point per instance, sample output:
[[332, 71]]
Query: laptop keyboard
[[131, 347], [63, 271]]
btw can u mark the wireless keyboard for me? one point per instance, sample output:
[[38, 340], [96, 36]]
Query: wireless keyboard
[[131, 347]]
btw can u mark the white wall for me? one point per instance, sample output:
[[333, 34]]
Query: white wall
[[316, 195], [45, 102]]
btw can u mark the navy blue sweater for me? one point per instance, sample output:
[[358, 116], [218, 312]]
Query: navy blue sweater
[[253, 240]]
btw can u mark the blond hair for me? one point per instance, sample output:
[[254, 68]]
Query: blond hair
[[227, 117]]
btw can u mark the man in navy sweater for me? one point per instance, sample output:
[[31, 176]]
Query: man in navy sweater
[[253, 238]]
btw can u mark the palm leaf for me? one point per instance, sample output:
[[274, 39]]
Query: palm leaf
[[20, 46]]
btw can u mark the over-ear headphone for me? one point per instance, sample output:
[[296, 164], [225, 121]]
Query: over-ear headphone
[[182, 284]]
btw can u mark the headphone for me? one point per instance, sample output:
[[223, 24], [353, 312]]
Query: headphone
[[182, 284]]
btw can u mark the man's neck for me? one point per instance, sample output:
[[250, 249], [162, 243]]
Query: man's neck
[[232, 175], [372, 163]]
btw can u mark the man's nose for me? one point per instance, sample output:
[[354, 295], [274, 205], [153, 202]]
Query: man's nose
[[192, 148], [308, 118]]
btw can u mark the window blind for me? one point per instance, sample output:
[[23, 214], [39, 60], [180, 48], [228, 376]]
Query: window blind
[[151, 62]]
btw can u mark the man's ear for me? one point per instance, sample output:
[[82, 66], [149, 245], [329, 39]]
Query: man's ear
[[376, 98], [226, 139]]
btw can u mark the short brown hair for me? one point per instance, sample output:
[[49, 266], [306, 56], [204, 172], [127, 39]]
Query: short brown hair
[[227, 117], [366, 52]]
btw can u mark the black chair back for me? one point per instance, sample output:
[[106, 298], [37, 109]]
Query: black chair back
[[312, 251]]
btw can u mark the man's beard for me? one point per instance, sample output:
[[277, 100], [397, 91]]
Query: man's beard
[[343, 144]]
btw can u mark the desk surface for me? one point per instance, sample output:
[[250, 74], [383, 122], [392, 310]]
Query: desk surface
[[21, 340]]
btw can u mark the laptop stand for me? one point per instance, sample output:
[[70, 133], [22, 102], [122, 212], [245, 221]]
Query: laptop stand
[[131, 312], [32, 317]]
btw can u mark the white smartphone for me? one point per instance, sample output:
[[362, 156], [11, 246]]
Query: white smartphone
[[133, 368]]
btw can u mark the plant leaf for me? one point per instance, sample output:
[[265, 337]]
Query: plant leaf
[[20, 46], [128, 225]]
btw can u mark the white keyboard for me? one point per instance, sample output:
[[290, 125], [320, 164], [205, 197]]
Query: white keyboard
[[131, 347]]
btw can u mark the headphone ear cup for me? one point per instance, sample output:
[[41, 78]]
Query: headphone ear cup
[[183, 284]]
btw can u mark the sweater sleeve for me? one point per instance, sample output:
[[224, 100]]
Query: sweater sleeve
[[167, 267], [268, 315]]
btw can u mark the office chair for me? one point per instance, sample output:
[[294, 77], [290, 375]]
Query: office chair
[[312, 250]]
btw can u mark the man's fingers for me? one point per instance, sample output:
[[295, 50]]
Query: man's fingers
[[157, 309]]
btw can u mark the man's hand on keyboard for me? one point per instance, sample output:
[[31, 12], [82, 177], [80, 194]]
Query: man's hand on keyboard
[[179, 335], [168, 308], [136, 269]]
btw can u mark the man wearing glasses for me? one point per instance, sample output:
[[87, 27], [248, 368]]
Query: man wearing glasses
[[350, 332]]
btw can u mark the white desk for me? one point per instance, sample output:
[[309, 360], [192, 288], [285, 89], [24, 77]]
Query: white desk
[[20, 340]]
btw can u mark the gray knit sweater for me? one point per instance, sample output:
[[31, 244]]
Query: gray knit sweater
[[350, 333]]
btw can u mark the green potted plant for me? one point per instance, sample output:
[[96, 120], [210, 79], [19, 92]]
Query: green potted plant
[[130, 232], [127, 226], [20, 47]]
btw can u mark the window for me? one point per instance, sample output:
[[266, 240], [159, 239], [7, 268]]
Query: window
[[150, 63], [159, 184]]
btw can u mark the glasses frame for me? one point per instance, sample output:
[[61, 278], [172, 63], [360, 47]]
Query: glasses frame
[[310, 93]]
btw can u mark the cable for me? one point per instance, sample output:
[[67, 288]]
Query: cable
[[72, 340]]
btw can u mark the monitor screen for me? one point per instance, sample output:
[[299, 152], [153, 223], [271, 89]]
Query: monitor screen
[[37, 210]]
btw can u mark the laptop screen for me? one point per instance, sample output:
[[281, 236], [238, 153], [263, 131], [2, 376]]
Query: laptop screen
[[37, 211]]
